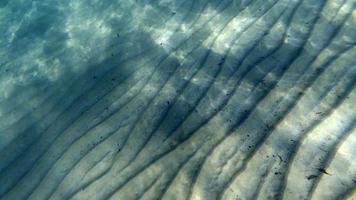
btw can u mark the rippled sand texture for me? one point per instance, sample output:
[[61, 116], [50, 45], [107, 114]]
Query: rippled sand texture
[[184, 99]]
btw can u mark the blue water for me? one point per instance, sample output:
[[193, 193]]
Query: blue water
[[162, 99]]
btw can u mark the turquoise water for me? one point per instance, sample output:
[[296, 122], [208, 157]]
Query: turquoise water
[[185, 99]]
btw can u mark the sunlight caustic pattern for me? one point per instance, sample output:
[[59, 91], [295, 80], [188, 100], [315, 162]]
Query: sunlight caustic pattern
[[203, 99]]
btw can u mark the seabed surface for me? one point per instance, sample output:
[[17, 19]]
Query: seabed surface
[[184, 99]]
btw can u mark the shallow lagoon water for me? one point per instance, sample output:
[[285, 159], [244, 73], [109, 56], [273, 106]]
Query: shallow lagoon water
[[203, 99]]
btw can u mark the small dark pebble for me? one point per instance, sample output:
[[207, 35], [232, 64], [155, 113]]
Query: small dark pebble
[[323, 171], [311, 177]]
